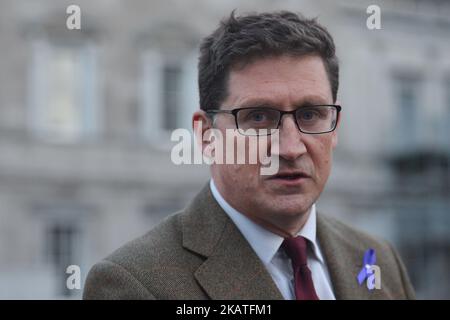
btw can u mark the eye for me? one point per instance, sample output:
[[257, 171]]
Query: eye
[[308, 115], [257, 116]]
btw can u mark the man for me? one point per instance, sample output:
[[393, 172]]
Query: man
[[248, 235]]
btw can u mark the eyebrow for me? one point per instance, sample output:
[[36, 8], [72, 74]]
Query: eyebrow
[[268, 103]]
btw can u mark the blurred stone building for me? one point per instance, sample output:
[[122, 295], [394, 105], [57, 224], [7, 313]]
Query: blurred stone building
[[86, 117]]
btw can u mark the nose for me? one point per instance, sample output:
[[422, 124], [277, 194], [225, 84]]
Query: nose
[[291, 144]]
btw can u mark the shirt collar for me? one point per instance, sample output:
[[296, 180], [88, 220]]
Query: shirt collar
[[264, 242]]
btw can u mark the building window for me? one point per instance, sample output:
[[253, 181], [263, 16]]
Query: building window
[[61, 251], [407, 99], [63, 106], [171, 95], [446, 119], [424, 245]]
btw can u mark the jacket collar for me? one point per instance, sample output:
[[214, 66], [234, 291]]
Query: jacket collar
[[232, 270]]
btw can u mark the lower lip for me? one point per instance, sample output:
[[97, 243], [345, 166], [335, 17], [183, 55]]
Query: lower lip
[[289, 182]]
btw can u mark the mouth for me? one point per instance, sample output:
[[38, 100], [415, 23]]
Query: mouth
[[289, 177]]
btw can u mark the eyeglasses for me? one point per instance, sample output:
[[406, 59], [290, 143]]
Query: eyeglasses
[[259, 121]]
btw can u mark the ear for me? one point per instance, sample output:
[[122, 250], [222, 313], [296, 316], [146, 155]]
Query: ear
[[334, 137], [201, 122]]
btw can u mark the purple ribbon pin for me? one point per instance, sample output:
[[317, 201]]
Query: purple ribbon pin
[[368, 260]]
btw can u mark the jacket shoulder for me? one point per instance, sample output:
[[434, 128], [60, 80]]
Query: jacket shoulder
[[160, 245], [156, 261]]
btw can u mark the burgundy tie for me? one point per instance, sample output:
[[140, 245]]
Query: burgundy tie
[[296, 250]]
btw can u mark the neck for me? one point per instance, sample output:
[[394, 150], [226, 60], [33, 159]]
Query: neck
[[278, 224], [284, 229]]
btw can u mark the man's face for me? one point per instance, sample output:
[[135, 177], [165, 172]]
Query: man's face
[[284, 83]]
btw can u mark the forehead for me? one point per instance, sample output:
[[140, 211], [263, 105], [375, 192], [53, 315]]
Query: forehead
[[283, 81]]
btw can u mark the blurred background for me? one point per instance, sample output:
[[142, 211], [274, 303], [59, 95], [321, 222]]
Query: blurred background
[[86, 117]]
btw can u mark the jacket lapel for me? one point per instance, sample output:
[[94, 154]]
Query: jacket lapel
[[232, 270], [344, 261]]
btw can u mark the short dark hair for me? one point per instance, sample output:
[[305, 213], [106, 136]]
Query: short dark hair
[[242, 39]]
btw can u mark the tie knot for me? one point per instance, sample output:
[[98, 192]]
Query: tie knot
[[295, 248]]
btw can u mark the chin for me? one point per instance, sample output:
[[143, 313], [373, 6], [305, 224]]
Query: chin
[[286, 209], [288, 205]]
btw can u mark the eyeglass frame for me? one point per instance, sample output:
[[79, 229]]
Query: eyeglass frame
[[235, 111]]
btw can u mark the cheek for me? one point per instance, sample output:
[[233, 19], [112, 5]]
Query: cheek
[[321, 154], [240, 176], [247, 174]]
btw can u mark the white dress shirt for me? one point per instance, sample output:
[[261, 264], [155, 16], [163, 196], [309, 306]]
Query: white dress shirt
[[267, 246]]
